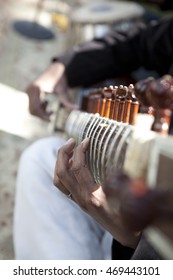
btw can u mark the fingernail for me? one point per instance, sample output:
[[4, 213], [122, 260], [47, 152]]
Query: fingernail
[[70, 141], [86, 140]]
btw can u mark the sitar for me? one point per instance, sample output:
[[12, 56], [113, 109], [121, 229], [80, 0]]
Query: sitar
[[128, 130], [121, 124]]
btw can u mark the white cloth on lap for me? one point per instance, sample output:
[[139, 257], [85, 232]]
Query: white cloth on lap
[[48, 225]]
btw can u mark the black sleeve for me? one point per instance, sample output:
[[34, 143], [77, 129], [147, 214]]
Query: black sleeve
[[143, 251], [120, 252], [167, 5], [120, 54]]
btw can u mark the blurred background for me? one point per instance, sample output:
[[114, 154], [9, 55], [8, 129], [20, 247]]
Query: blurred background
[[22, 59]]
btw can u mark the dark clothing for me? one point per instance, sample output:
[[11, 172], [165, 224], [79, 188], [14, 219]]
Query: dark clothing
[[167, 5], [119, 54], [143, 251], [120, 252]]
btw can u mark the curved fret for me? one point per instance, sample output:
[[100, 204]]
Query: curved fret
[[108, 138]]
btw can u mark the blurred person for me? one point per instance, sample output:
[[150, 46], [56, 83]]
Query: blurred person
[[79, 67], [92, 62]]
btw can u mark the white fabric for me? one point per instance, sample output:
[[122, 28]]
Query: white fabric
[[48, 225]]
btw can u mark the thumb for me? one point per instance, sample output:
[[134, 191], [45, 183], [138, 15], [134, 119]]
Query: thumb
[[67, 104]]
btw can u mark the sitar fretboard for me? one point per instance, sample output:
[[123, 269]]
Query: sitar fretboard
[[113, 145]]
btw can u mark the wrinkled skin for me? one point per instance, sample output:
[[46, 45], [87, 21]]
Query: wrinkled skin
[[73, 176]]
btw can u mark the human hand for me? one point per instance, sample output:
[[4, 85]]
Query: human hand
[[72, 176], [132, 199], [52, 80], [36, 106]]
